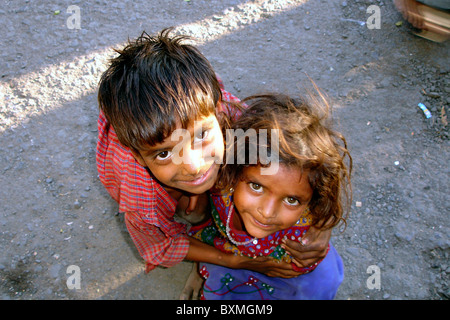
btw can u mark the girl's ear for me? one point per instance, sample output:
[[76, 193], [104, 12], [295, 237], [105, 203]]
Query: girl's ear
[[137, 156]]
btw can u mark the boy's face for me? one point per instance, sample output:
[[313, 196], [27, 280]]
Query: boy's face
[[269, 203], [189, 159]]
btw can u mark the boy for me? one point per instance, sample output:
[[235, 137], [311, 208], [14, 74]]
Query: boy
[[153, 89]]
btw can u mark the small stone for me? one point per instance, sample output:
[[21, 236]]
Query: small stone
[[54, 270], [77, 204]]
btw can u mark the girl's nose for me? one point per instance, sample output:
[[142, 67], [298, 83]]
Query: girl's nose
[[267, 209]]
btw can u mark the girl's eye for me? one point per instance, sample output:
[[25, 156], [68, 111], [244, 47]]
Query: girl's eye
[[292, 201], [163, 155], [255, 187]]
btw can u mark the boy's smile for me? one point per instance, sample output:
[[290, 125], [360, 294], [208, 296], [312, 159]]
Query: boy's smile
[[269, 203], [201, 177], [189, 159]]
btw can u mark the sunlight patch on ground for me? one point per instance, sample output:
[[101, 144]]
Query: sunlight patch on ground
[[48, 88]]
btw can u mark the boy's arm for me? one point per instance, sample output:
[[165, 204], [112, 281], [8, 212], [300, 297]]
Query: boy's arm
[[312, 249], [154, 246], [202, 252], [158, 249]]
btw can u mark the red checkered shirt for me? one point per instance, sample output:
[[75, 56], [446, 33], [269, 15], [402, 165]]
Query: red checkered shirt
[[148, 208]]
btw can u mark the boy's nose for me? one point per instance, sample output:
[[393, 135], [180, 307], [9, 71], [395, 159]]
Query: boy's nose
[[193, 162]]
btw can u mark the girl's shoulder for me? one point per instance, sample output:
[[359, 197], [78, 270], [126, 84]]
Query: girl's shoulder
[[221, 199]]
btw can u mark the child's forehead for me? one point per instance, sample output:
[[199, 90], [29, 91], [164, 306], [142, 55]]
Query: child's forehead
[[179, 130], [284, 175], [199, 122], [284, 170]]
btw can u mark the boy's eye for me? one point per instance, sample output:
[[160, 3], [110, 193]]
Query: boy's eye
[[202, 135], [163, 155], [255, 187], [292, 201]]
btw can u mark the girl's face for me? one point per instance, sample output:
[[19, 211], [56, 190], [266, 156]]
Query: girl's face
[[269, 203]]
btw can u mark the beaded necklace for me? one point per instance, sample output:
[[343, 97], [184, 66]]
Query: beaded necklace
[[228, 229]]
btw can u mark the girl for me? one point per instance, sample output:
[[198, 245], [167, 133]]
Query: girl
[[259, 213]]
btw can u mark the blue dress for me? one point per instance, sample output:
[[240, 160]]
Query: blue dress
[[239, 284]]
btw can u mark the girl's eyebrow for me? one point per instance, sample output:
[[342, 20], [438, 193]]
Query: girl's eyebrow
[[250, 178], [302, 198]]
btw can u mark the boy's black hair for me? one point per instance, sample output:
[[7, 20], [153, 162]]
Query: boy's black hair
[[155, 83]]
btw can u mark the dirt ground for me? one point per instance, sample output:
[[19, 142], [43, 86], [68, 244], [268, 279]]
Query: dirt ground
[[55, 213]]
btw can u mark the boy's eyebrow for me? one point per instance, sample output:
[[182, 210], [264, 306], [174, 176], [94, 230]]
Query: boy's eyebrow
[[208, 123], [168, 144], [160, 147]]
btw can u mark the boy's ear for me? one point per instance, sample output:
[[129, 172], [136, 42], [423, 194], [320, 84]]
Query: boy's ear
[[138, 157]]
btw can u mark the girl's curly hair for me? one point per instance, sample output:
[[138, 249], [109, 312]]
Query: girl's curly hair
[[306, 140]]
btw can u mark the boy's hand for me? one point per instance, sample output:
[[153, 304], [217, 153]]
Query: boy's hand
[[192, 203], [313, 248], [193, 208], [193, 286], [269, 267], [200, 251]]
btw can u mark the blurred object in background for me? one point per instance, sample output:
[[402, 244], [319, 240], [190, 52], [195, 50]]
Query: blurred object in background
[[432, 17]]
